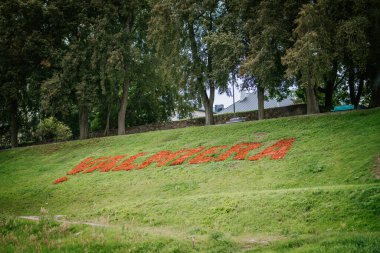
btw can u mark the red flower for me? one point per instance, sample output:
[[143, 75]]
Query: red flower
[[60, 180], [128, 164], [105, 164], [86, 163], [206, 156], [276, 151], [159, 158], [187, 154], [240, 150]]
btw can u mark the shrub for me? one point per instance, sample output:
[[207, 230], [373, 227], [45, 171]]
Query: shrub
[[51, 129]]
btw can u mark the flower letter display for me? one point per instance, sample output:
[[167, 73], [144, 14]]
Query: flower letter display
[[198, 155]]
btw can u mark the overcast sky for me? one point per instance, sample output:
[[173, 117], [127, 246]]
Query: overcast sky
[[224, 99]]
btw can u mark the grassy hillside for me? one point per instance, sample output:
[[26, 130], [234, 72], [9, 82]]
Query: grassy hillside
[[323, 196]]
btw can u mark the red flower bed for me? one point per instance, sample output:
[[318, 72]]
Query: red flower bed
[[60, 180], [206, 156], [239, 152], [128, 164], [276, 151], [188, 153], [105, 164], [161, 158], [82, 166]]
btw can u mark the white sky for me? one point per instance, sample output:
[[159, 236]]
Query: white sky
[[226, 100]]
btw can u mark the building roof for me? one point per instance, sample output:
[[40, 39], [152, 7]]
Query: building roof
[[249, 102]]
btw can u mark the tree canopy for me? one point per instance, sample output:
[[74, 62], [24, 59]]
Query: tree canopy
[[98, 65]]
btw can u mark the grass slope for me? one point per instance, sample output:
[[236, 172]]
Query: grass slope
[[322, 197]]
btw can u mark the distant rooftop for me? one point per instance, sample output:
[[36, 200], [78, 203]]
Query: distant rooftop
[[248, 102]]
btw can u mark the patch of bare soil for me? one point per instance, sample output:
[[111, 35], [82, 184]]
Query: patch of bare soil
[[61, 218], [260, 135], [249, 243]]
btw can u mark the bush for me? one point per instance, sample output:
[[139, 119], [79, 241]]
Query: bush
[[51, 129]]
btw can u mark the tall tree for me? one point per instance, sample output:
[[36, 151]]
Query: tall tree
[[120, 31], [26, 36], [374, 55], [269, 25], [193, 35], [353, 45], [332, 46], [74, 84], [309, 59]]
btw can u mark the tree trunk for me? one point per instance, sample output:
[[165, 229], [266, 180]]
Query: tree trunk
[[208, 105], [375, 92], [83, 122], [122, 110], [329, 92], [311, 100], [260, 100], [107, 129], [351, 84], [197, 68], [209, 116], [330, 86], [14, 123], [359, 93]]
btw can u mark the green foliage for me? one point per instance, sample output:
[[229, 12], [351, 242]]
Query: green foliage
[[109, 52], [351, 243], [226, 49], [25, 43], [331, 43], [310, 56], [197, 38], [50, 128], [269, 35]]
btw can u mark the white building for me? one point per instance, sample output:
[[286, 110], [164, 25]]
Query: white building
[[249, 102]]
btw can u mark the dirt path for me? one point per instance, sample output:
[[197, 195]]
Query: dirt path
[[246, 243], [60, 218], [166, 231]]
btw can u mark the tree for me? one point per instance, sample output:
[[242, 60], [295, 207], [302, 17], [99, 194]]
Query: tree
[[373, 66], [309, 58], [26, 37], [353, 46], [120, 31], [75, 82], [268, 27], [73, 87], [332, 47], [50, 128], [192, 35]]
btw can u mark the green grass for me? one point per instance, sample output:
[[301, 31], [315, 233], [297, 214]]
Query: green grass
[[322, 197]]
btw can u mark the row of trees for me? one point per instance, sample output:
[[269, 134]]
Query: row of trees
[[325, 48], [86, 60], [113, 64]]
